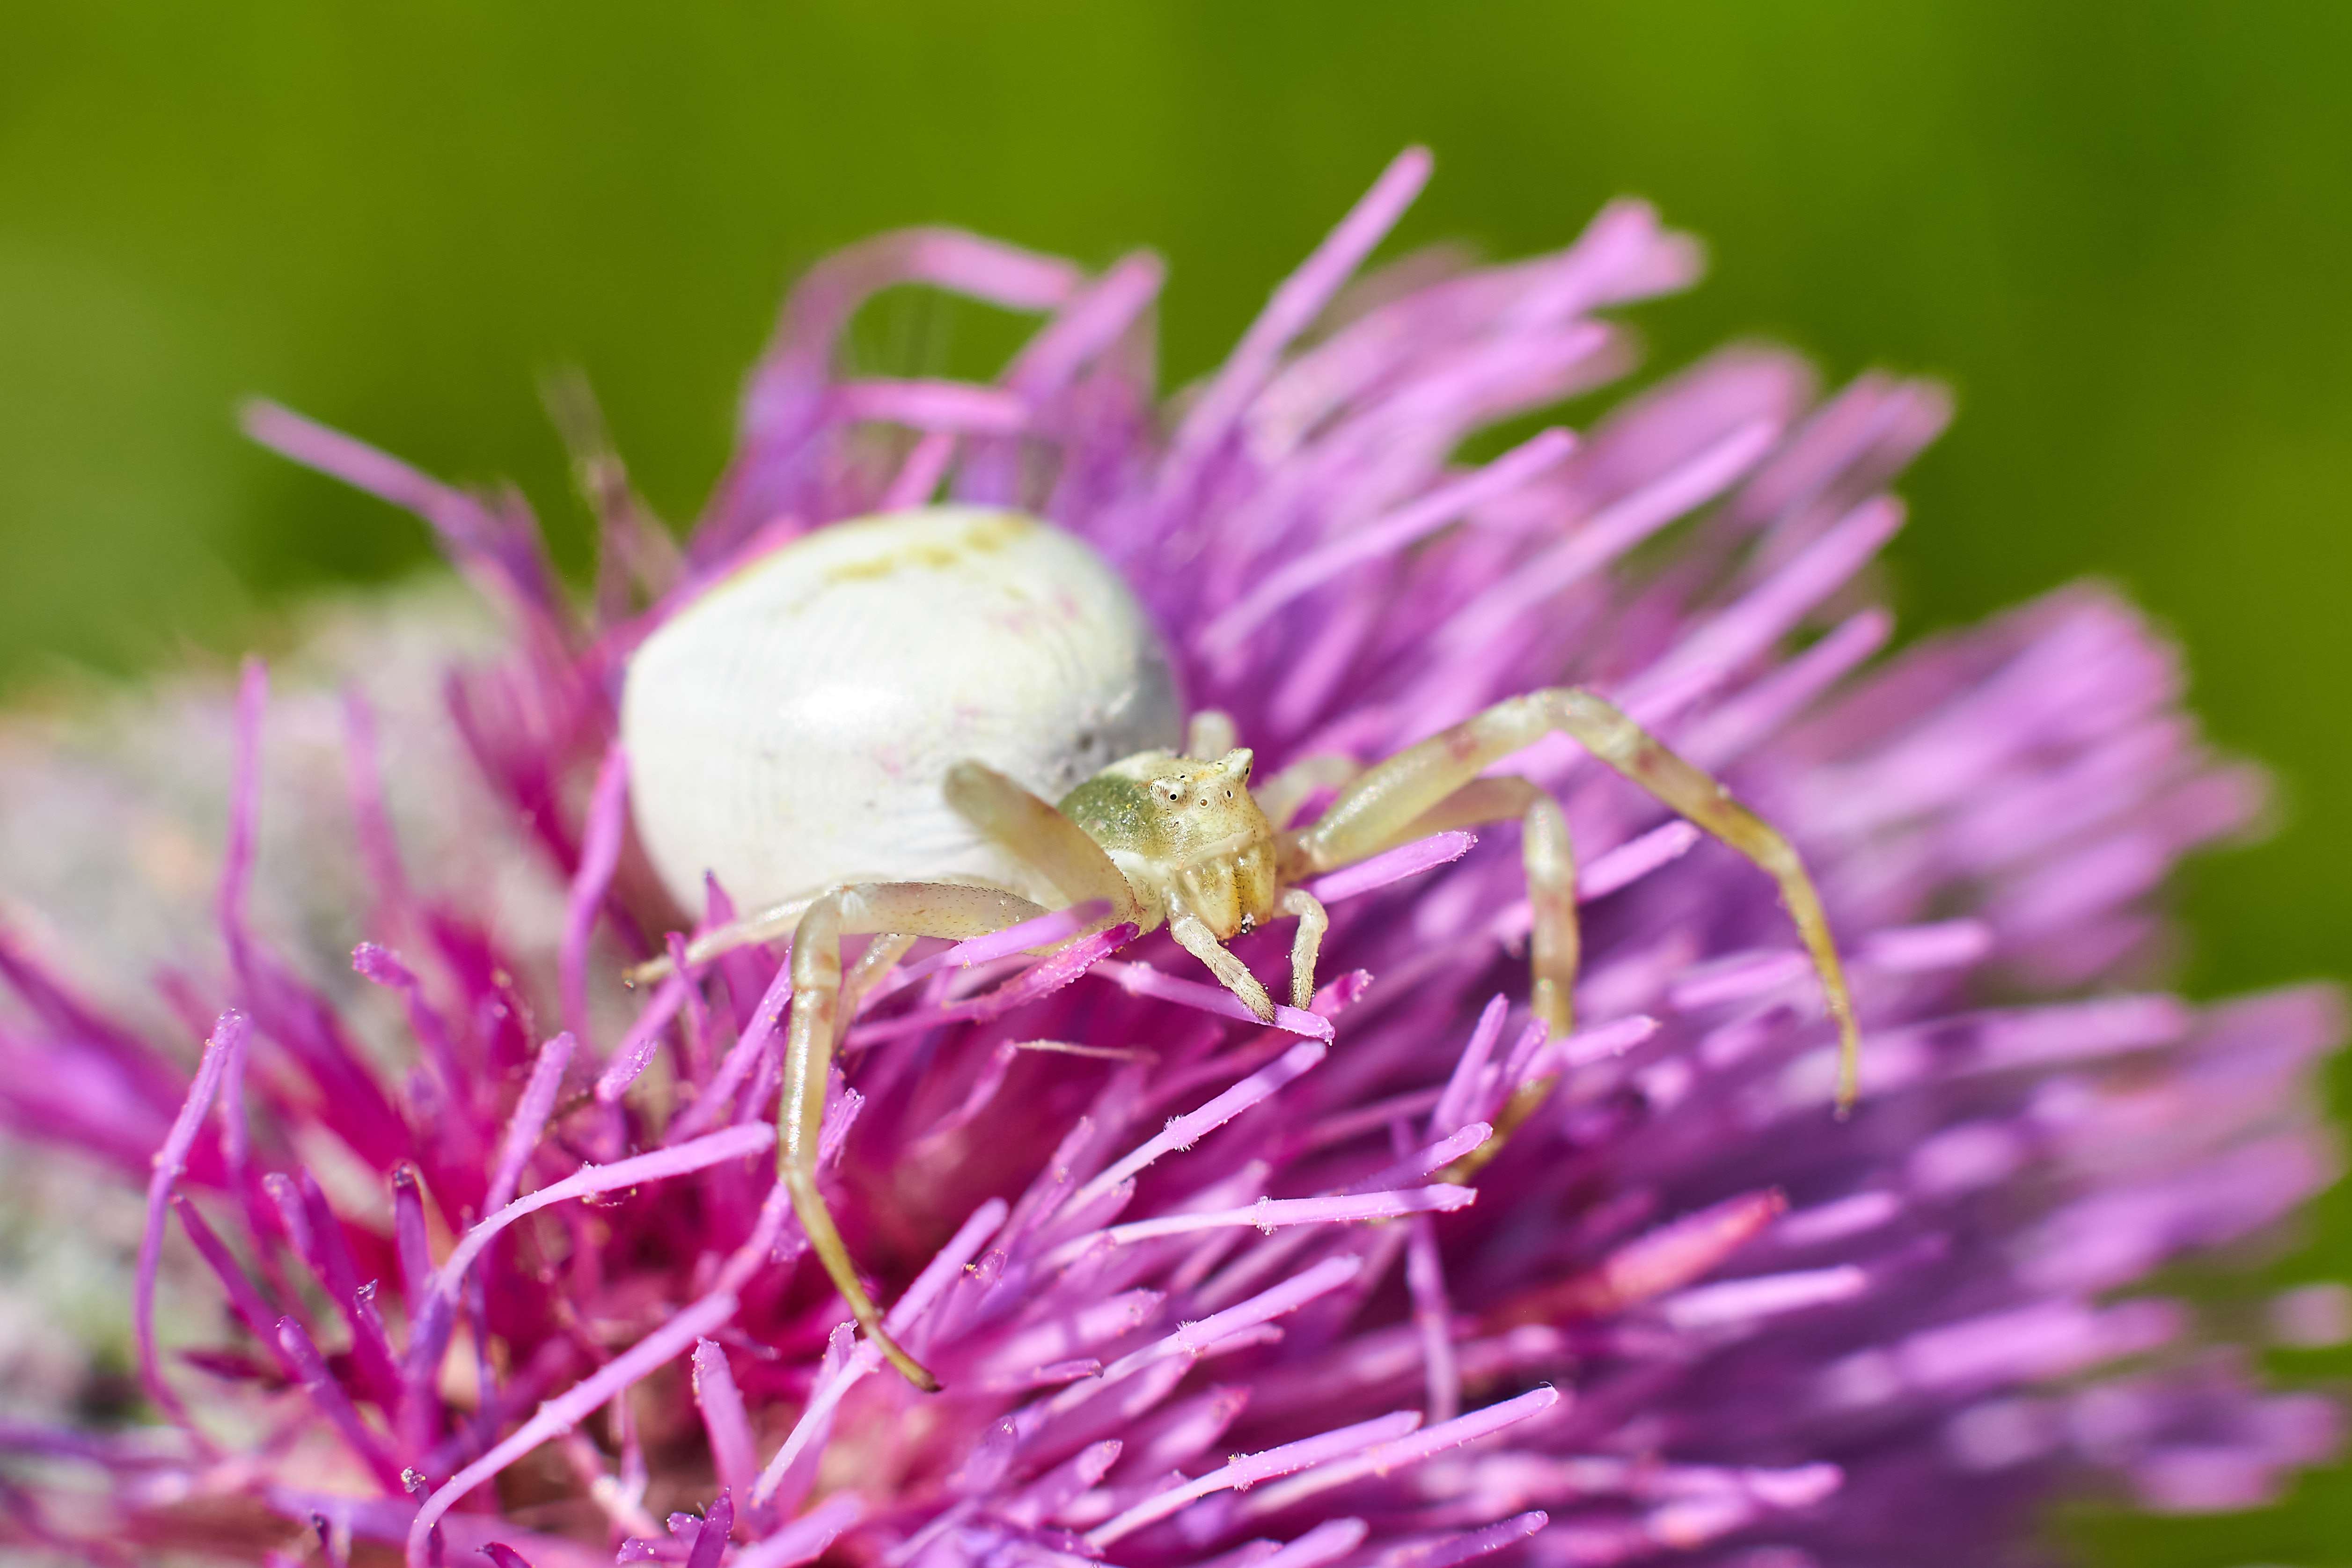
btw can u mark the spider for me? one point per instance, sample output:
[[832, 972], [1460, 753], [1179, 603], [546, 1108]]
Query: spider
[[941, 723]]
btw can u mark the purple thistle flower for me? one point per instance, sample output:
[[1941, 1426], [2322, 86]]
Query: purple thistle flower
[[485, 1257]]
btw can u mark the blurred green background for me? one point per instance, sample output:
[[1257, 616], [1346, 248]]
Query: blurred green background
[[2120, 232]]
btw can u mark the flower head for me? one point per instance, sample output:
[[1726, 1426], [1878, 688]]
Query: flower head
[[518, 1278]]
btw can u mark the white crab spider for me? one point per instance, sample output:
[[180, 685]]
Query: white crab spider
[[861, 732]]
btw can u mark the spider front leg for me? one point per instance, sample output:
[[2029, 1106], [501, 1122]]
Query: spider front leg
[[1549, 860], [897, 910], [770, 924], [1281, 796], [1209, 733], [1040, 837], [1388, 804], [1305, 943]]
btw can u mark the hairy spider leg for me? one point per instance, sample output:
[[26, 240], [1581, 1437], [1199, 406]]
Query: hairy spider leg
[[1550, 864], [1211, 734], [881, 957], [1281, 796], [771, 924], [1040, 836], [892, 909], [896, 914], [1548, 859], [1436, 784], [1307, 942]]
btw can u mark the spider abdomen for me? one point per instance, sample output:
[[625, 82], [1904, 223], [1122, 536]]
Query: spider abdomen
[[792, 728]]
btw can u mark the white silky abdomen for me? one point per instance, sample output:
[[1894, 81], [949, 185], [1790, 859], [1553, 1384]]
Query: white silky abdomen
[[791, 729]]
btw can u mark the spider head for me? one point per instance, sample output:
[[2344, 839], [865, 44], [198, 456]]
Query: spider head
[[1190, 824], [1220, 846]]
